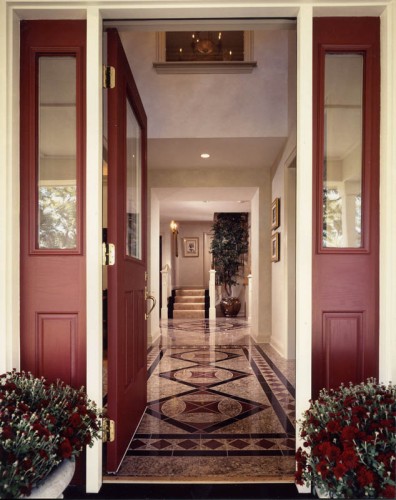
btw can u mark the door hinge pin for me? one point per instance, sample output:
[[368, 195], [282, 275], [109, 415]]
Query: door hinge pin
[[108, 430], [108, 77], [108, 254]]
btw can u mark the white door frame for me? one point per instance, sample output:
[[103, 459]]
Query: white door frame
[[11, 11]]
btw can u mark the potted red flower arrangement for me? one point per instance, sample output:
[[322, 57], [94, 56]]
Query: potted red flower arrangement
[[41, 426], [349, 447]]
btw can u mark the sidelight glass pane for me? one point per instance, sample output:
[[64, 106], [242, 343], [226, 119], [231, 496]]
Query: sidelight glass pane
[[133, 187], [342, 169], [57, 167]]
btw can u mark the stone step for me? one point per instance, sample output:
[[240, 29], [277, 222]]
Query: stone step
[[185, 299], [190, 292], [177, 314], [199, 306]]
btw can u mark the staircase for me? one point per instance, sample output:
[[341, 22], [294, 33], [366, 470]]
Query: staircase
[[189, 303]]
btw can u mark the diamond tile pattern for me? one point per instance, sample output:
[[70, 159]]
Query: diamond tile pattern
[[223, 399]]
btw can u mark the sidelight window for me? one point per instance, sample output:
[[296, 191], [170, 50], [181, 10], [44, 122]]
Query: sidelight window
[[343, 157]]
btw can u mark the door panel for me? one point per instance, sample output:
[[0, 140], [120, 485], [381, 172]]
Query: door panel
[[346, 201], [53, 283], [127, 184]]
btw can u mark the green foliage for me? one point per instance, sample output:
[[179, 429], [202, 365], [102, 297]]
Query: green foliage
[[230, 242], [58, 223]]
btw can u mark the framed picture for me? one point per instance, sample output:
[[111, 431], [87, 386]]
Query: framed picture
[[275, 248], [275, 214], [190, 247]]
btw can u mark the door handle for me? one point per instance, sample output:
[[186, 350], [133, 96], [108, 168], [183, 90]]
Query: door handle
[[149, 297]]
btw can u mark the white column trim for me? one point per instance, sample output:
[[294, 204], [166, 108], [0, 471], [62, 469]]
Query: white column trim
[[212, 294], [387, 340], [94, 234], [304, 213], [9, 191]]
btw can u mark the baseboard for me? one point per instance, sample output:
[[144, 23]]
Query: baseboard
[[279, 348]]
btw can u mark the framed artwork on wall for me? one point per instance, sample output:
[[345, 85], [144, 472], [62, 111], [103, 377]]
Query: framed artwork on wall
[[275, 214], [190, 247], [275, 248]]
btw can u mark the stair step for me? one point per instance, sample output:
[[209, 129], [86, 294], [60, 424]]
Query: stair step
[[187, 300], [190, 292], [177, 314], [199, 306]]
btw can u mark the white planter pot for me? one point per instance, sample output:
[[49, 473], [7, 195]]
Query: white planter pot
[[56, 483], [321, 493]]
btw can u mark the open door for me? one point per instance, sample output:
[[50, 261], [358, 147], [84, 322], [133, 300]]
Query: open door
[[127, 215]]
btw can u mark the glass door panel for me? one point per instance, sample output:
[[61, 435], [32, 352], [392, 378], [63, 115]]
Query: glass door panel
[[133, 186], [342, 168], [57, 152]]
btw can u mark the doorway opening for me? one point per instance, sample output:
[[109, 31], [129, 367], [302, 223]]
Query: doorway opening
[[192, 113]]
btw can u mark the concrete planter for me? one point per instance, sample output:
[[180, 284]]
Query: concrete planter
[[56, 483]]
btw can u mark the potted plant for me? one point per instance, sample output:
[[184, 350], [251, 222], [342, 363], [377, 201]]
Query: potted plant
[[42, 425], [230, 242], [349, 442]]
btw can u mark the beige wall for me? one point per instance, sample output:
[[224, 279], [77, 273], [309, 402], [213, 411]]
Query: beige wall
[[219, 103], [260, 223], [283, 272], [190, 271]]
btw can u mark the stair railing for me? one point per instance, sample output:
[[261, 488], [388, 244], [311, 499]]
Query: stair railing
[[165, 287]]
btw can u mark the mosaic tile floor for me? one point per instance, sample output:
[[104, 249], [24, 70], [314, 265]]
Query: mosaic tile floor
[[220, 408]]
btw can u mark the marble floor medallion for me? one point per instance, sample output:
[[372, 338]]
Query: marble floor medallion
[[217, 410]]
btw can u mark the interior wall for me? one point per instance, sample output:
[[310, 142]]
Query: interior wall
[[190, 270], [260, 225], [153, 257], [170, 100], [283, 333]]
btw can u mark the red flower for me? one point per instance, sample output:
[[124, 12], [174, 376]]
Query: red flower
[[389, 491], [68, 432], [76, 444], [388, 424], [349, 458], [87, 438], [27, 464], [43, 454], [298, 477], [75, 420], [7, 432], [333, 426], [359, 411], [365, 477], [349, 433], [322, 469], [339, 470], [65, 449], [26, 489], [40, 429], [82, 409]]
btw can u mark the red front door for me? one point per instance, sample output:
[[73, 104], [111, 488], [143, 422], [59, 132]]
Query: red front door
[[127, 184], [53, 283], [346, 201]]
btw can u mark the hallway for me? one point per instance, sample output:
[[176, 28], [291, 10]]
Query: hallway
[[220, 408]]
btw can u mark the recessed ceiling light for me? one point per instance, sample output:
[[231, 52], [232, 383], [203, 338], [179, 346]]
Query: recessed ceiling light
[[242, 201], [205, 155]]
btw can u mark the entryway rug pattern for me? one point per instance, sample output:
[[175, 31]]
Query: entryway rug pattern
[[216, 411]]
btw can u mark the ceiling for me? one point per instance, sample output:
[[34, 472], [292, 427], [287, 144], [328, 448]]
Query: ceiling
[[237, 152], [199, 204]]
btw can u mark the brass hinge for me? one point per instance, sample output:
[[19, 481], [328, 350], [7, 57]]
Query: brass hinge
[[108, 430], [108, 77], [108, 254]]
